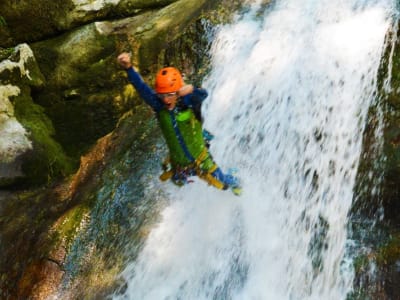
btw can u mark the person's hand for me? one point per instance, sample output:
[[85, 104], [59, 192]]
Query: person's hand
[[185, 90], [124, 60]]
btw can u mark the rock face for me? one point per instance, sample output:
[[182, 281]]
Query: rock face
[[391, 188], [28, 153], [83, 92], [34, 20], [387, 257], [14, 140], [378, 185], [381, 158]]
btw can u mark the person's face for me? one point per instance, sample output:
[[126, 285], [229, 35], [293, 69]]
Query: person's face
[[169, 99]]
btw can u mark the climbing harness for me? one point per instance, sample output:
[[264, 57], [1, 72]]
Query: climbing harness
[[180, 175]]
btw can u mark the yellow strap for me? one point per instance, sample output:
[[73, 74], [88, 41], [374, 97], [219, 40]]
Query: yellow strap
[[202, 156], [212, 180], [166, 175], [213, 168], [205, 175]]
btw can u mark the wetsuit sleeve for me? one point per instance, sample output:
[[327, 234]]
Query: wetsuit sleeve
[[145, 92], [198, 96], [194, 101], [195, 98]]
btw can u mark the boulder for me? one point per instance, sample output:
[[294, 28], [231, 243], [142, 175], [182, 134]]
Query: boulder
[[391, 146], [28, 152], [34, 20]]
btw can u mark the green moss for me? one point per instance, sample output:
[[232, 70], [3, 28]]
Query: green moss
[[70, 223], [394, 101], [48, 160], [46, 56], [361, 263], [385, 255], [358, 295], [389, 253]]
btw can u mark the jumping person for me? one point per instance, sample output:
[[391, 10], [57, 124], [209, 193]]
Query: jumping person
[[176, 106]]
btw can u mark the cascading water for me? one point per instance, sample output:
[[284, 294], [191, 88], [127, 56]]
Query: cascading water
[[289, 93]]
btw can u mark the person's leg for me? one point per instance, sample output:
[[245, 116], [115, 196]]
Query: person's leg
[[214, 176], [227, 179]]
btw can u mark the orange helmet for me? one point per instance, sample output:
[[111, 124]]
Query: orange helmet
[[168, 80]]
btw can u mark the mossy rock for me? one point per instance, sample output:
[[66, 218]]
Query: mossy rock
[[391, 133], [47, 160], [25, 219], [82, 89], [31, 20], [166, 26], [35, 20]]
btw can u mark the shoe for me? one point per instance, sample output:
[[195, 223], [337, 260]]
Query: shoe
[[237, 190], [234, 182]]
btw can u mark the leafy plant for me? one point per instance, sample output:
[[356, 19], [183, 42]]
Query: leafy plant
[[2, 21]]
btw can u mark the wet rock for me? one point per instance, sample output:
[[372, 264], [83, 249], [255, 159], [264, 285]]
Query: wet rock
[[47, 272], [378, 184], [391, 148], [34, 20], [25, 131], [86, 91]]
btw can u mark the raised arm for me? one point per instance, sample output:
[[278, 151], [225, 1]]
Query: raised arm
[[145, 92], [192, 96]]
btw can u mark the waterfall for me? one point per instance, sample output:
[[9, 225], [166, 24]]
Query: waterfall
[[290, 86]]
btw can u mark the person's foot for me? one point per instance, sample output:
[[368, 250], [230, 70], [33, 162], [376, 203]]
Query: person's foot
[[234, 182], [237, 190]]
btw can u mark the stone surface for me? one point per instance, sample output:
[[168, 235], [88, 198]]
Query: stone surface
[[25, 131], [34, 20]]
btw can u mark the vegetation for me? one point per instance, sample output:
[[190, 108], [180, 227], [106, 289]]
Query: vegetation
[[2, 21]]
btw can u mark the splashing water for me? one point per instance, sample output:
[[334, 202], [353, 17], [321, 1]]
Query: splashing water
[[289, 93]]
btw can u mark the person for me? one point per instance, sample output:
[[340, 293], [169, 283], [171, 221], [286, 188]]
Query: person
[[176, 105]]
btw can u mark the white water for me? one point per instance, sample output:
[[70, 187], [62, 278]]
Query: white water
[[289, 92]]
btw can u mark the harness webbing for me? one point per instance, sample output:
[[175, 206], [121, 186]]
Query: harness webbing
[[196, 166]]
